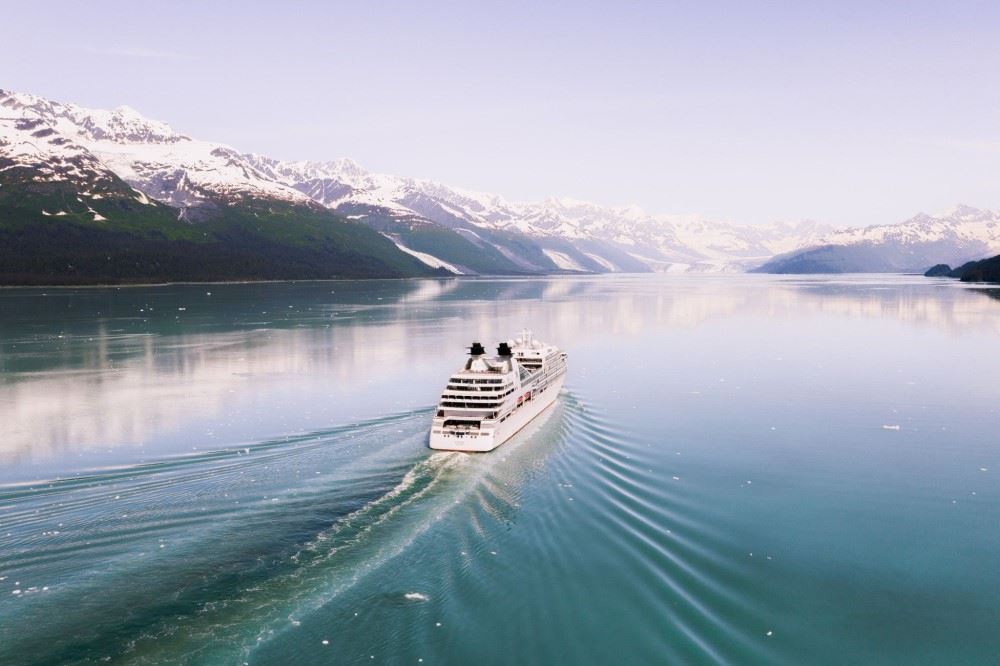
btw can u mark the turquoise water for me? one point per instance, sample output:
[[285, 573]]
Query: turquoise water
[[744, 469]]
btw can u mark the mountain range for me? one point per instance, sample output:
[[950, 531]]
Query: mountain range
[[958, 236], [92, 195]]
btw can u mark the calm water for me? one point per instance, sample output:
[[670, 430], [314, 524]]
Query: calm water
[[743, 469]]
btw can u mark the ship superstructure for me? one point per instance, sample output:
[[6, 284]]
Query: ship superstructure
[[492, 397]]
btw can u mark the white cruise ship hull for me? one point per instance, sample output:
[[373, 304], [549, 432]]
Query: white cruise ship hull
[[490, 436]]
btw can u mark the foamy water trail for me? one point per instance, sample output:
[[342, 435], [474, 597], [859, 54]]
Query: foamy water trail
[[197, 531]]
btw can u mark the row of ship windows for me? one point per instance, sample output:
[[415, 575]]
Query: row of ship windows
[[491, 415], [471, 405], [459, 380], [552, 358], [474, 389], [533, 356], [463, 434], [490, 396]]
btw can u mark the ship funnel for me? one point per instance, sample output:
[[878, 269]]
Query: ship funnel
[[476, 349], [504, 350]]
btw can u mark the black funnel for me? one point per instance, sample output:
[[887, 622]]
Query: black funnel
[[476, 349], [504, 350]]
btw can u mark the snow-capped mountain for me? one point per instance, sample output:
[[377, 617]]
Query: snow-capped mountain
[[165, 165], [147, 163], [108, 196], [961, 224], [634, 237], [954, 237], [34, 155]]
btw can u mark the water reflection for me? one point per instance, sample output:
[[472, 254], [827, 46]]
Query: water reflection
[[101, 376]]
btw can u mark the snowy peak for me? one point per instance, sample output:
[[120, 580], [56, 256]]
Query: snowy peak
[[344, 170], [122, 125], [165, 165], [959, 235], [964, 213], [29, 144], [961, 223]]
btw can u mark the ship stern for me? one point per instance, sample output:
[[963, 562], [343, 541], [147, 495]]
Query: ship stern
[[476, 441]]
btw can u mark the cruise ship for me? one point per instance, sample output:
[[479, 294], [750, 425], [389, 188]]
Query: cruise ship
[[492, 397]]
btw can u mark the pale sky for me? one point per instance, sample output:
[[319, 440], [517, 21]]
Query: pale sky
[[842, 112]]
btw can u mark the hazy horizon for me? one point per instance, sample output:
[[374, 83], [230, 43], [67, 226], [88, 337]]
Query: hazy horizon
[[847, 115]]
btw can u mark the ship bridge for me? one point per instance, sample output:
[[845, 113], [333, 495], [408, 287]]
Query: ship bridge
[[478, 390]]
